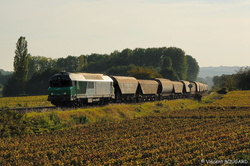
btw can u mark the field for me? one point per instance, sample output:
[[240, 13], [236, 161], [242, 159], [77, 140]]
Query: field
[[26, 101], [208, 133], [234, 99]]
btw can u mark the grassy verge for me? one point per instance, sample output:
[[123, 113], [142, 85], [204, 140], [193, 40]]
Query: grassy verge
[[58, 119], [25, 101], [35, 122]]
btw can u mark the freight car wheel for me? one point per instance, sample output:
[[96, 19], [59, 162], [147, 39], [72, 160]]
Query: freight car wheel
[[139, 98], [75, 103]]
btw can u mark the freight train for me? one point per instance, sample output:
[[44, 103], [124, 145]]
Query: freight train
[[80, 89]]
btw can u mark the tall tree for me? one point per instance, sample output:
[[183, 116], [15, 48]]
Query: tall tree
[[138, 57], [21, 63], [193, 68], [38, 64], [40, 80], [242, 78], [82, 62], [166, 62], [69, 64], [121, 58], [97, 63], [143, 73], [169, 74], [179, 61]]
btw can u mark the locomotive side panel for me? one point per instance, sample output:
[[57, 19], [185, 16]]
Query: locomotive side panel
[[104, 89], [81, 87]]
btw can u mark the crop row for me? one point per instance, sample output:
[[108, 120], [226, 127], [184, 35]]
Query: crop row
[[179, 137], [25, 101]]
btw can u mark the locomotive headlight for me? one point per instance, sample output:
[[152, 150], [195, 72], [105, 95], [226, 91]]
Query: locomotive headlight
[[64, 93], [52, 94]]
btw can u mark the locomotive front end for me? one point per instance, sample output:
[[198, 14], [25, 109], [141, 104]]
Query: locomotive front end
[[61, 90]]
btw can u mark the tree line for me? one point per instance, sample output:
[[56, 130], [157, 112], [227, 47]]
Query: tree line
[[31, 73], [238, 81]]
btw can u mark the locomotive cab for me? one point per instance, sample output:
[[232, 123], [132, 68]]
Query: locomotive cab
[[62, 89], [79, 89]]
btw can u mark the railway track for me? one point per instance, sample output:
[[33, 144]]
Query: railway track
[[29, 109], [44, 108], [49, 108]]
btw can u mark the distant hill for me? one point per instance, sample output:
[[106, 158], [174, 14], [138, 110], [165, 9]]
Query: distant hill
[[206, 74], [217, 71], [5, 72]]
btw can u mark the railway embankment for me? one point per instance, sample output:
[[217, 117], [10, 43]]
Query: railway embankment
[[15, 123]]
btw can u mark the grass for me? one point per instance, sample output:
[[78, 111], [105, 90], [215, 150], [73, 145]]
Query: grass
[[58, 119], [176, 132], [25, 101], [116, 112]]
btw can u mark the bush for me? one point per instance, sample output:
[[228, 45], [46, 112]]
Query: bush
[[13, 123], [222, 91], [45, 122]]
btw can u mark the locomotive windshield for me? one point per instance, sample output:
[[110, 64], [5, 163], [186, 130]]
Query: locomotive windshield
[[60, 83]]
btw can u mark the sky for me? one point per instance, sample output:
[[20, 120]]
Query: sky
[[214, 32]]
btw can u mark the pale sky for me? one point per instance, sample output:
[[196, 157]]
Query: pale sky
[[214, 32]]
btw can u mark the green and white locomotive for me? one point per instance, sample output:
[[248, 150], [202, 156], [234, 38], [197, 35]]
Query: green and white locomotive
[[79, 89]]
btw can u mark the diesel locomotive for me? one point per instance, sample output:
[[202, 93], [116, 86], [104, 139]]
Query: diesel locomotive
[[80, 89]]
